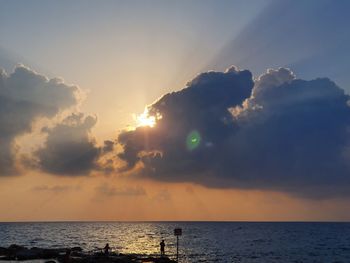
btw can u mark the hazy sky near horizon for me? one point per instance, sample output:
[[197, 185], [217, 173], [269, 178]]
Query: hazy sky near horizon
[[114, 58]]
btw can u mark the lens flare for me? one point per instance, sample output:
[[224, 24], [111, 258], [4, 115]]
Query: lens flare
[[193, 140]]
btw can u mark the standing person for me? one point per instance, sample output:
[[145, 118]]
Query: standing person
[[67, 258], [162, 248], [106, 249]]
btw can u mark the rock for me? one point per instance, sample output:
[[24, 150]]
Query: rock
[[15, 247], [16, 252], [157, 260], [26, 254], [77, 249], [3, 251], [50, 253]]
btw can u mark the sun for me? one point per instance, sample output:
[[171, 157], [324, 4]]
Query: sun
[[144, 119]]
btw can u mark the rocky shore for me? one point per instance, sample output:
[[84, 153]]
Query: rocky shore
[[73, 255]]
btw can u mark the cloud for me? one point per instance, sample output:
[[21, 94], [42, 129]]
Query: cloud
[[26, 96], [110, 191], [202, 105], [69, 148], [108, 146], [285, 134]]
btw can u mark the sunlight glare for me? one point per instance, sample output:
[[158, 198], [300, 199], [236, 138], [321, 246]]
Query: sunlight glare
[[144, 119]]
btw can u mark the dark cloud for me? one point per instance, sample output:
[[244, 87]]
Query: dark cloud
[[286, 134], [108, 146], [111, 191], [69, 148], [202, 105], [26, 96], [293, 136]]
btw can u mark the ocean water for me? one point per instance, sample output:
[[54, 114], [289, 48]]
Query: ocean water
[[201, 241]]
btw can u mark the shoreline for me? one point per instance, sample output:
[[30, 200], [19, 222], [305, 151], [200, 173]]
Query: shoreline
[[17, 253]]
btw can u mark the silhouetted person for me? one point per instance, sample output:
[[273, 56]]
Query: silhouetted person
[[162, 248], [106, 249], [66, 258]]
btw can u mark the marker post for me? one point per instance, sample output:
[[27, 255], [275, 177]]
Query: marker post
[[177, 233]]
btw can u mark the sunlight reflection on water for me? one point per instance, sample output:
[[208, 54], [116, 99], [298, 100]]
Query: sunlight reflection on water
[[201, 241]]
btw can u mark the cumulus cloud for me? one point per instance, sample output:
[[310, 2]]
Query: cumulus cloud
[[283, 134], [70, 149], [26, 96], [202, 105]]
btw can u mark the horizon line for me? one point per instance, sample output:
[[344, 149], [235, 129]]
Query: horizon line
[[178, 221]]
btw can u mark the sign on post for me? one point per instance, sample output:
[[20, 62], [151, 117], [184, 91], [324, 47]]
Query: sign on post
[[177, 233]]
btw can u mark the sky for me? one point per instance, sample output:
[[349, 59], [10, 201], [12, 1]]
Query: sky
[[174, 110]]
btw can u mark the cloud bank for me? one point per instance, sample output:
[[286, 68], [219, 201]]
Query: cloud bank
[[26, 96], [66, 146], [223, 130], [226, 130]]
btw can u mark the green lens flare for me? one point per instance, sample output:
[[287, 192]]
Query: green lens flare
[[193, 140]]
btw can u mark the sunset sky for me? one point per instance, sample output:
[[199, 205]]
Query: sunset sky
[[174, 110]]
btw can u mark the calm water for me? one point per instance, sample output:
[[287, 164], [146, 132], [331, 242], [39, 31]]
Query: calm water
[[201, 241]]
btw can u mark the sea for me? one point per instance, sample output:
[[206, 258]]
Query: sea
[[240, 242]]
